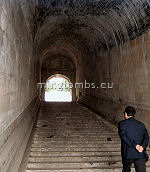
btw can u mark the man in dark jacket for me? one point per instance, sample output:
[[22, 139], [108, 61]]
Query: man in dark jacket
[[134, 140]]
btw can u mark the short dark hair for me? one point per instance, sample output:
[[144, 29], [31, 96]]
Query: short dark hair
[[130, 111]]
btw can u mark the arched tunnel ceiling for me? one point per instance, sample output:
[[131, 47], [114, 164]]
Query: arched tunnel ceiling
[[95, 25]]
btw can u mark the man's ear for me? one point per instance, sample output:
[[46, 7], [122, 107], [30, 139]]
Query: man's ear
[[125, 114]]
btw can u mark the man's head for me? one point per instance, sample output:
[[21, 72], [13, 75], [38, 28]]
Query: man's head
[[129, 112]]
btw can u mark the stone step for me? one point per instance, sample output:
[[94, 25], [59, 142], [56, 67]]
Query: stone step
[[76, 138], [84, 135], [51, 137], [105, 141], [55, 135], [71, 118], [74, 159], [66, 165], [76, 131], [80, 139], [60, 149], [79, 132], [100, 135], [73, 128], [74, 149], [73, 123], [57, 144], [80, 119], [86, 145], [44, 134], [116, 169], [74, 153]]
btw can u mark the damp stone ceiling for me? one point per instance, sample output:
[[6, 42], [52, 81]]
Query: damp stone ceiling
[[95, 25]]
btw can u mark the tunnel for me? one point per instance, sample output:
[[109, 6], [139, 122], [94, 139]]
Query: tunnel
[[102, 47]]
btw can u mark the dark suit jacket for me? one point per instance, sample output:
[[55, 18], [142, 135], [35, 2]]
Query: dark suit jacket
[[132, 133]]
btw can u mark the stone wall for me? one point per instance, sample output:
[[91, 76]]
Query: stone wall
[[128, 68], [18, 79]]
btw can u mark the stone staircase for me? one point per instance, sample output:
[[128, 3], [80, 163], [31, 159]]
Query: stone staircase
[[70, 138]]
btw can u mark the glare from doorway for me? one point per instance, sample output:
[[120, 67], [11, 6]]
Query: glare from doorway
[[57, 90]]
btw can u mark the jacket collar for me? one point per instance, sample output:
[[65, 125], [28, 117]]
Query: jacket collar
[[131, 118]]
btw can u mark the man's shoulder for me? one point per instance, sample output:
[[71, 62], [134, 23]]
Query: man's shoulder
[[140, 123], [122, 122]]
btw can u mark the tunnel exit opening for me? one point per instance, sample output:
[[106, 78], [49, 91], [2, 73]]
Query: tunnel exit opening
[[58, 89]]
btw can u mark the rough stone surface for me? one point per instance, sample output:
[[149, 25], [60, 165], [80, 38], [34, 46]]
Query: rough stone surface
[[100, 25], [128, 69], [18, 80]]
